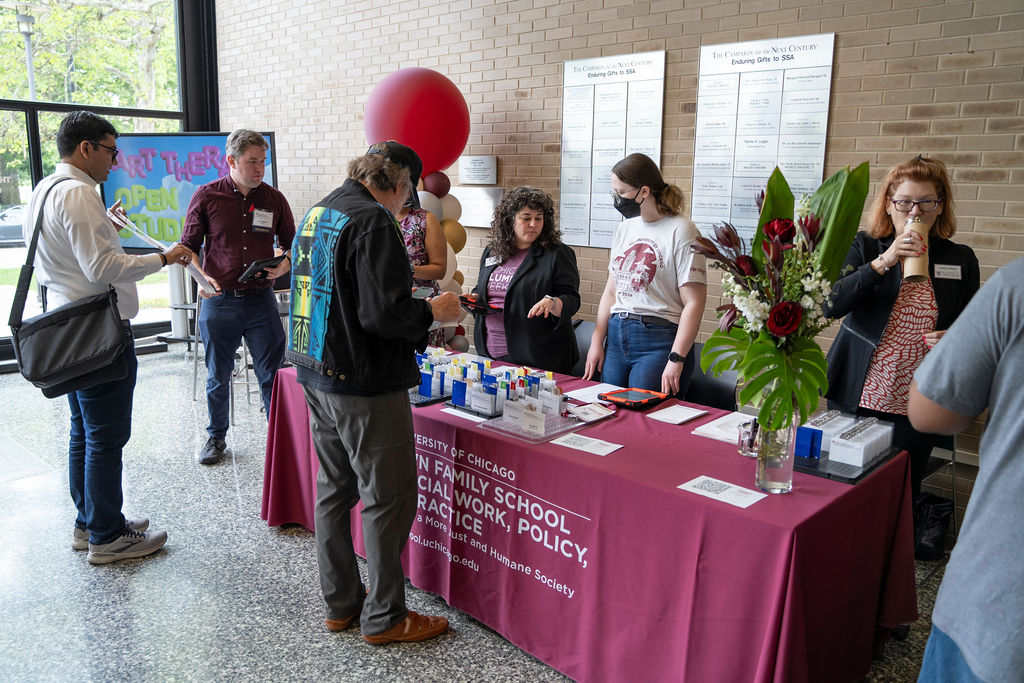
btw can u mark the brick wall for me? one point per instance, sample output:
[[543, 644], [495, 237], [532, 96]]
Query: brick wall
[[909, 77]]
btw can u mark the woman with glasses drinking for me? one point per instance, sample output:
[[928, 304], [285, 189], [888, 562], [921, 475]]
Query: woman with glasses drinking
[[654, 300], [891, 322]]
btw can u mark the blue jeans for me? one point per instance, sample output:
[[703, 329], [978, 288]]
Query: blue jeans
[[101, 424], [943, 662], [223, 321], [637, 353]]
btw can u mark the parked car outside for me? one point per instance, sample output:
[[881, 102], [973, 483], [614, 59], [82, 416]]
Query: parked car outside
[[10, 226]]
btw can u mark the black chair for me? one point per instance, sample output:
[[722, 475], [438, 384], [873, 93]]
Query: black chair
[[936, 464], [584, 330], [708, 390]]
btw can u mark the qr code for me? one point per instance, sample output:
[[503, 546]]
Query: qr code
[[711, 486], [575, 441]]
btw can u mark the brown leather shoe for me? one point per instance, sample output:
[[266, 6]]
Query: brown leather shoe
[[412, 629], [342, 624]]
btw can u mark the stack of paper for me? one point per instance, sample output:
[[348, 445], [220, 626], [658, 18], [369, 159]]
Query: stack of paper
[[677, 414], [725, 428], [589, 394]]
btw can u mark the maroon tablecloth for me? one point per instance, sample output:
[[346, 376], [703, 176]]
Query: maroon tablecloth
[[602, 568]]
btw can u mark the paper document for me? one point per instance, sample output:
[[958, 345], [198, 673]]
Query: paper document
[[585, 443], [591, 412], [463, 414], [589, 394], [725, 428], [723, 491], [677, 414], [121, 221]]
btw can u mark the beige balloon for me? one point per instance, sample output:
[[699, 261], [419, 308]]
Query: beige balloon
[[454, 233], [459, 277]]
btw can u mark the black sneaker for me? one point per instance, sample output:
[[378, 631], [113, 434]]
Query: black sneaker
[[213, 451]]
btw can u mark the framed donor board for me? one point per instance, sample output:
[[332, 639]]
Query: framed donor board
[[760, 104], [611, 107], [156, 174]]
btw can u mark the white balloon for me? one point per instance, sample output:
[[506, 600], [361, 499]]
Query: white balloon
[[430, 202], [449, 269], [451, 207]]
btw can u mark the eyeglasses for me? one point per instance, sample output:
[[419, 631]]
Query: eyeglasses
[[615, 195], [907, 205], [114, 151]]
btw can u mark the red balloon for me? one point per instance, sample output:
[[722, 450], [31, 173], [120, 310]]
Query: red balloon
[[422, 109], [436, 183]]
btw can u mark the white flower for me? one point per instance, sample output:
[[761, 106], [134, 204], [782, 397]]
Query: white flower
[[807, 302], [803, 206]]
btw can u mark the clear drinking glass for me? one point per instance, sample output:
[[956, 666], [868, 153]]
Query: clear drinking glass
[[746, 438]]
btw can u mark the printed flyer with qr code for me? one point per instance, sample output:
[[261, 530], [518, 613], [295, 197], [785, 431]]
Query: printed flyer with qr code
[[723, 491]]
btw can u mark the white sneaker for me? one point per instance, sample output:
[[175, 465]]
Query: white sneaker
[[128, 545], [80, 537]]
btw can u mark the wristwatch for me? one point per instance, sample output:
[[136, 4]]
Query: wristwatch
[[549, 296], [674, 357]]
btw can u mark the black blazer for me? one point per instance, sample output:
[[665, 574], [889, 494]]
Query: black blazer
[[866, 299], [546, 343]]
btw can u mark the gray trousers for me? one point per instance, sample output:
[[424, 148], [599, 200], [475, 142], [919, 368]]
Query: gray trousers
[[366, 452]]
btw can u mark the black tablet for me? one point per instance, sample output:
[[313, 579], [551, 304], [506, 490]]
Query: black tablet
[[257, 270]]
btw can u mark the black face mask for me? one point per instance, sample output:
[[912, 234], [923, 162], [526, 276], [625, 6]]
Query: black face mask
[[629, 208]]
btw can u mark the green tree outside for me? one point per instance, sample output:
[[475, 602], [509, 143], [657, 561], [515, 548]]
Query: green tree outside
[[88, 52]]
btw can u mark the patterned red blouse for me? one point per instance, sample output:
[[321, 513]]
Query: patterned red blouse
[[901, 349]]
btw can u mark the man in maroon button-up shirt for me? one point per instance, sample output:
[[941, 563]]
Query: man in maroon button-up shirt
[[237, 220]]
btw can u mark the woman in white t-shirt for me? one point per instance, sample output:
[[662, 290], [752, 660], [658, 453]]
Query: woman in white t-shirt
[[653, 303]]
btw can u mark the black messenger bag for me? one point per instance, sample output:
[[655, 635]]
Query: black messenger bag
[[75, 346]]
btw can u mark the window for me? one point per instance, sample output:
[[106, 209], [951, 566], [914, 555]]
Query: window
[[111, 54], [118, 59]]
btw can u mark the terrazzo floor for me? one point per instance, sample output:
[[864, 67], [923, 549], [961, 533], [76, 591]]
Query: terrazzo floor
[[227, 598]]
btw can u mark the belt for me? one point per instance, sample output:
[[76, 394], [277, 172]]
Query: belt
[[646, 319], [242, 292]]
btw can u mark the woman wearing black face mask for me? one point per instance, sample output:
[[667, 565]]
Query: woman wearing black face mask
[[654, 300]]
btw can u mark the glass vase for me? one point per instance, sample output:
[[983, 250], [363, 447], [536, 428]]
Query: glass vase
[[775, 459]]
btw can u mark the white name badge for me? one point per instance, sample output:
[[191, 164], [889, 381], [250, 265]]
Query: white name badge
[[261, 218], [947, 272], [490, 261]]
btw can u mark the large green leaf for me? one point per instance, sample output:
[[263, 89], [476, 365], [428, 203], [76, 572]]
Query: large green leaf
[[786, 384], [724, 350], [778, 203], [839, 203]]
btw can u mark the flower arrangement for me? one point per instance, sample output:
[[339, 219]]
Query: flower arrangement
[[776, 293]]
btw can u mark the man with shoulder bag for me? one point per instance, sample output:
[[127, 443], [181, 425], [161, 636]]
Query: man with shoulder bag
[[78, 255]]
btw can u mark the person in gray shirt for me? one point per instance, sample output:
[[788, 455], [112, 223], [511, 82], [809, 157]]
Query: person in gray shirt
[[978, 621]]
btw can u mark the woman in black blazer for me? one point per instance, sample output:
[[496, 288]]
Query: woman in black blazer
[[890, 323], [532, 277]]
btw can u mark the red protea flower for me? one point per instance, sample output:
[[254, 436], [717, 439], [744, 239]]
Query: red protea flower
[[809, 227], [746, 265]]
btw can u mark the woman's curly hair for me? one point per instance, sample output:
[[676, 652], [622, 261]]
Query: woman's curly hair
[[503, 236]]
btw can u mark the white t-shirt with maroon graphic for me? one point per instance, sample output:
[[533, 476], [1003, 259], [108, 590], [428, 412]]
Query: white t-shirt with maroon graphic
[[650, 262]]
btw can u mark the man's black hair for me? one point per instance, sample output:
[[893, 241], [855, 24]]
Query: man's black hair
[[78, 126]]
